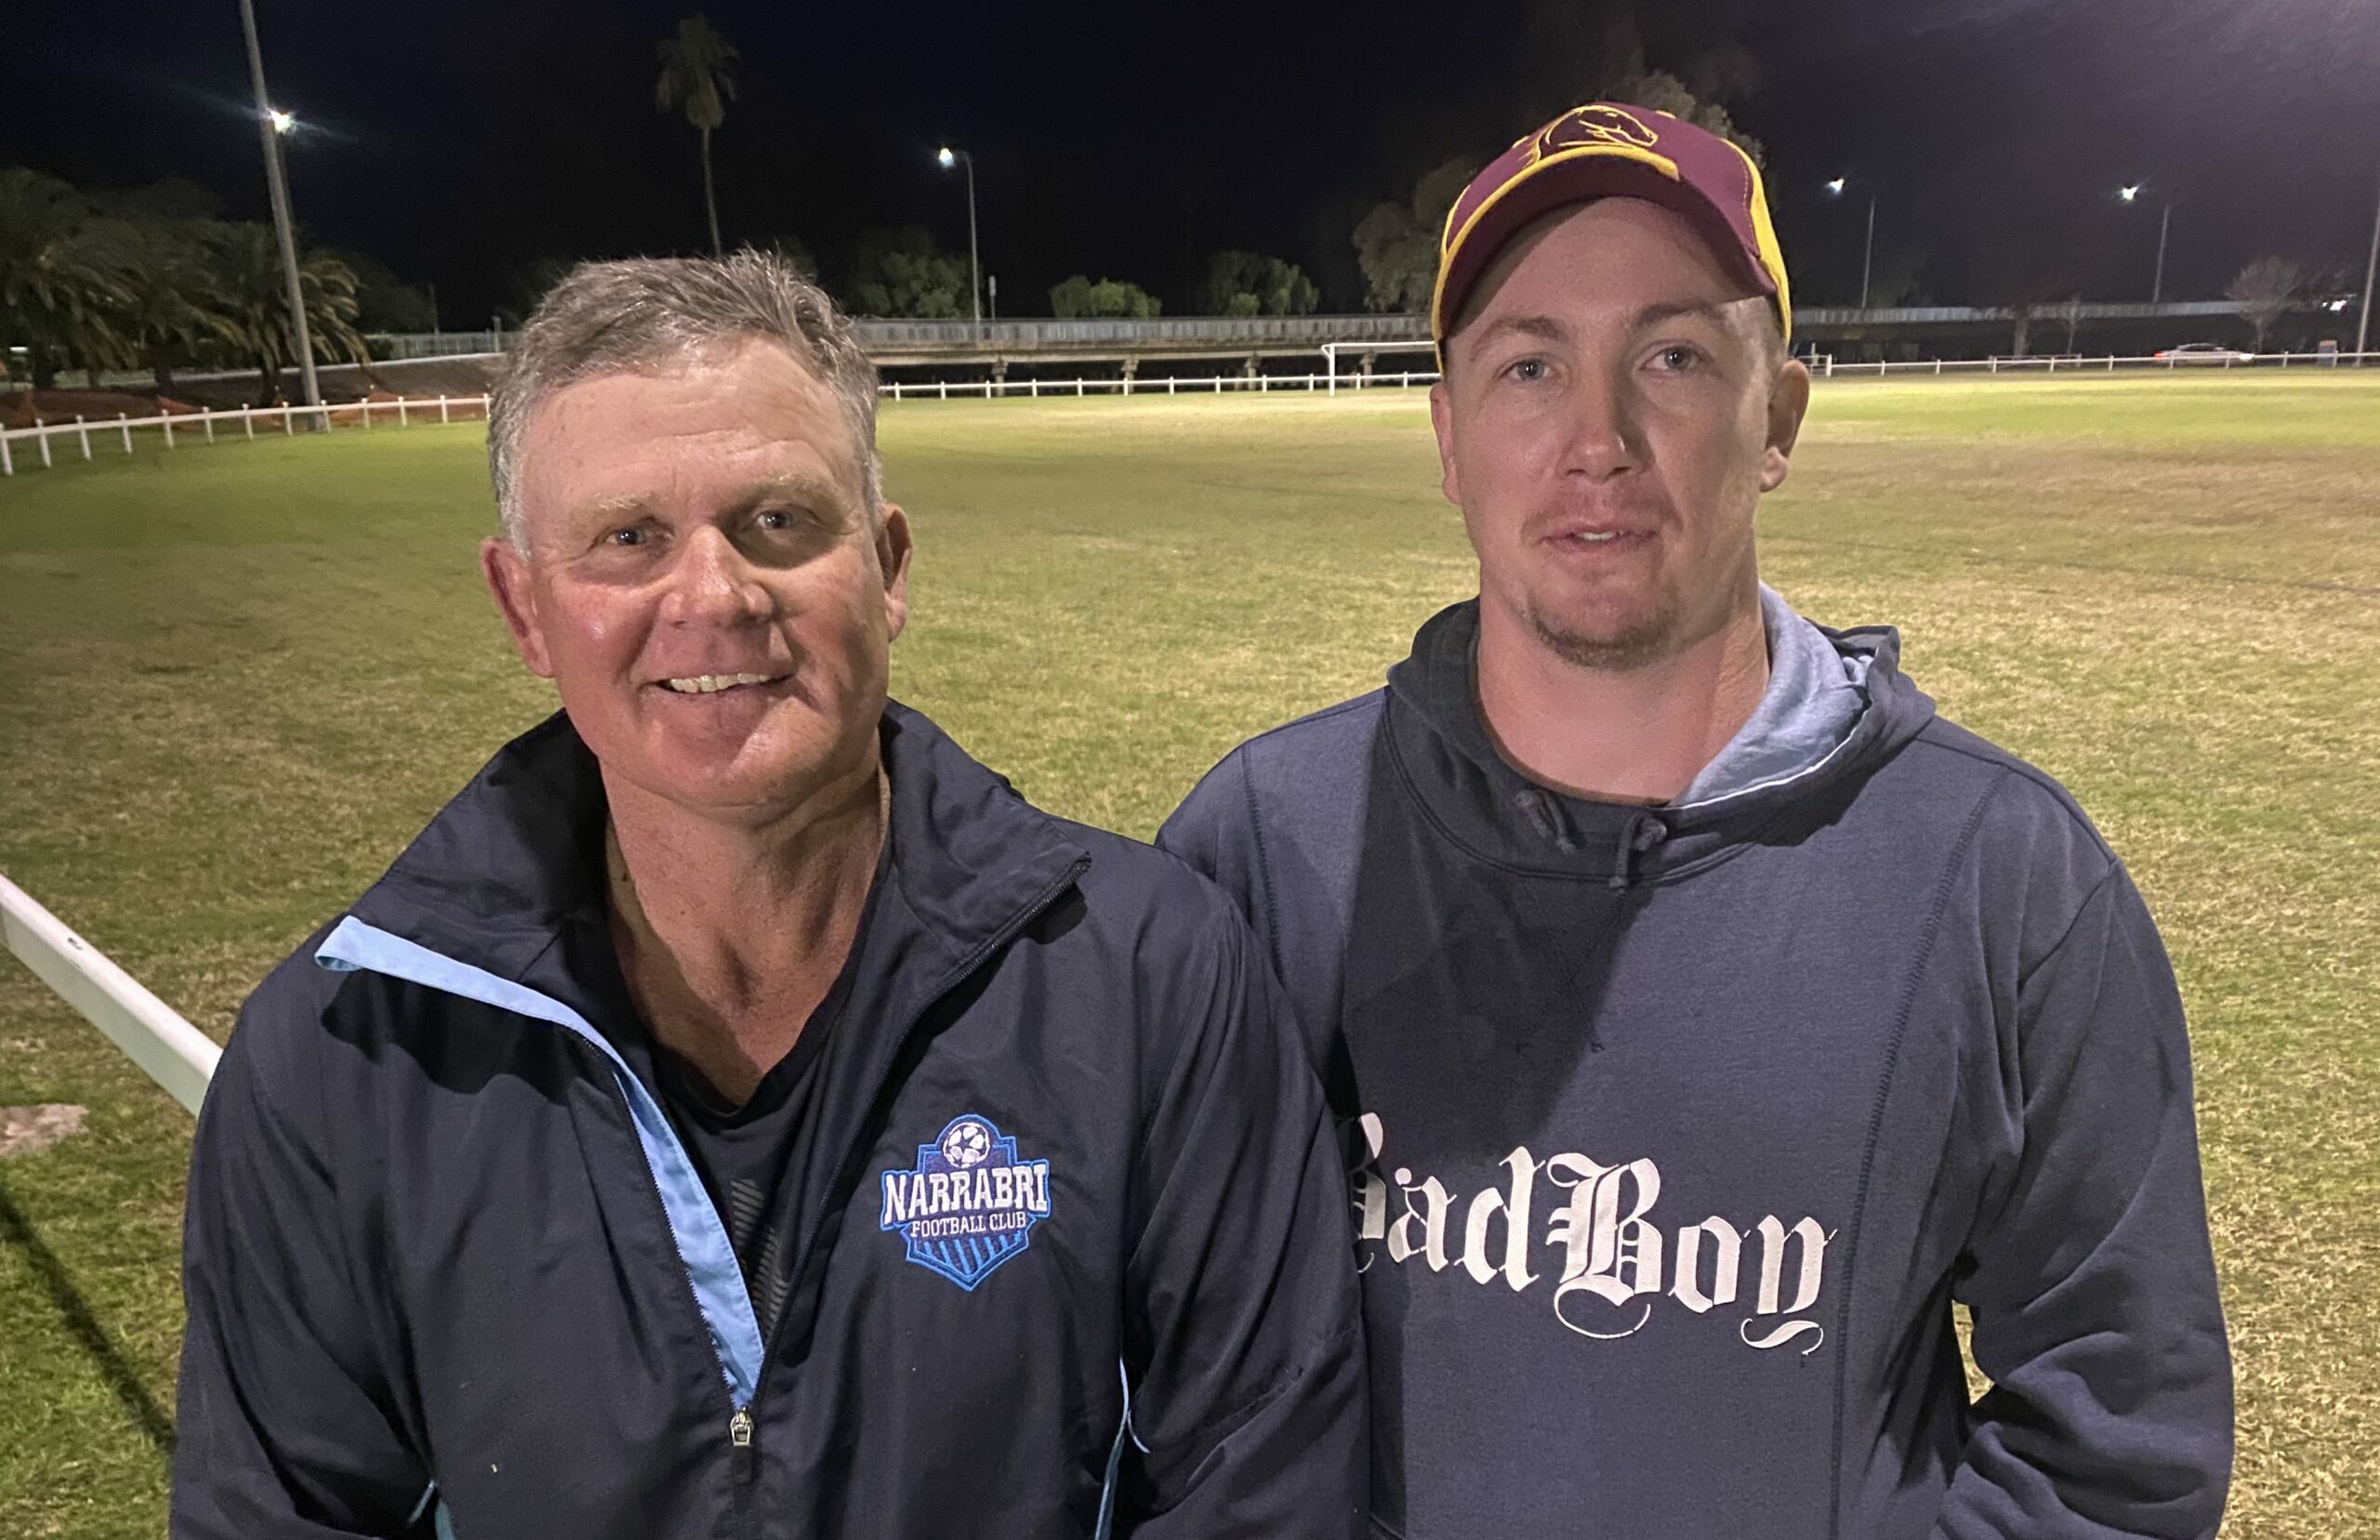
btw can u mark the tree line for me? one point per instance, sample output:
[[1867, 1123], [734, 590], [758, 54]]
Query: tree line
[[156, 279]]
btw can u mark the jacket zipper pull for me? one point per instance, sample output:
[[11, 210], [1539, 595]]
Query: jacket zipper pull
[[739, 1428]]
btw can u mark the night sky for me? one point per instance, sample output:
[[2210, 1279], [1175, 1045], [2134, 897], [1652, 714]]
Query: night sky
[[461, 141]]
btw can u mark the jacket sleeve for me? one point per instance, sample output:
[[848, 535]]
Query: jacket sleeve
[[285, 1428], [1244, 1365], [2090, 1279]]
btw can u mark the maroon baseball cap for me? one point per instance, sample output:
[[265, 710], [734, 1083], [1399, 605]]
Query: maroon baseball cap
[[1606, 151]]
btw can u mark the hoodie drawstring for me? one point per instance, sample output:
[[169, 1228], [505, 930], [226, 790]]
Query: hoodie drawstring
[[1545, 816], [1638, 833]]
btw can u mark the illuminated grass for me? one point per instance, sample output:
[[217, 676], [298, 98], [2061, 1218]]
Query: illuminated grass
[[233, 682]]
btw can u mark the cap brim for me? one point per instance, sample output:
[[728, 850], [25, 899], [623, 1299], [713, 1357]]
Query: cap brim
[[1579, 174]]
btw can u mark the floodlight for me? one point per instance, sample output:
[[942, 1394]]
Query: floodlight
[[1835, 186], [282, 122], [946, 157]]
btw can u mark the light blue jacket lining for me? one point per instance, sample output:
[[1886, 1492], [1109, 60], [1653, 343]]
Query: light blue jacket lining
[[694, 1224], [701, 1240]]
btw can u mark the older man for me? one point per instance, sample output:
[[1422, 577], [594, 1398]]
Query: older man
[[738, 1113], [1714, 1014]]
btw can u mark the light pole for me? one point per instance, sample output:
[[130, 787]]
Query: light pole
[[273, 124], [2371, 270], [2164, 228], [947, 156], [1868, 261]]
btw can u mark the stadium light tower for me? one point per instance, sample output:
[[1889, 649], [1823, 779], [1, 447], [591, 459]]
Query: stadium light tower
[[273, 123], [1868, 262], [2164, 228], [949, 157]]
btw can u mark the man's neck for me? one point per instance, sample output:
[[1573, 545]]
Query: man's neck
[[1636, 735], [731, 935]]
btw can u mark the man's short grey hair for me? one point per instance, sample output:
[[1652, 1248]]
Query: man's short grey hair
[[642, 315]]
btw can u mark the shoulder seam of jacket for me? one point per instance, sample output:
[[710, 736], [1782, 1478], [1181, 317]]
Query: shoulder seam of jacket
[[2106, 879], [2009, 764], [1264, 864]]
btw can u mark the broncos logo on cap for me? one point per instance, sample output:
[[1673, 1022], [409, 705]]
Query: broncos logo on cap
[[1586, 126]]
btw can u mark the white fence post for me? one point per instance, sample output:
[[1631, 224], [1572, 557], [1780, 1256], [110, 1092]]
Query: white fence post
[[441, 408], [7, 461], [83, 431], [288, 414], [166, 422], [248, 421], [206, 420], [401, 420], [124, 421]]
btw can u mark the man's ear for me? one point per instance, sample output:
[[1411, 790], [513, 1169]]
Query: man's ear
[[508, 583], [1789, 402], [893, 551], [1442, 424]]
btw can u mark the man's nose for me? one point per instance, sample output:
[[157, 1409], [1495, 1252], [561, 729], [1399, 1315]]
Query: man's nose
[[711, 584], [1604, 438]]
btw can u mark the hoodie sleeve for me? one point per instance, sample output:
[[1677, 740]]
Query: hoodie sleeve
[[2090, 1279], [1244, 1354], [285, 1428]]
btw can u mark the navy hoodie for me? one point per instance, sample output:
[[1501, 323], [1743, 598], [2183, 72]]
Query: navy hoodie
[[1676, 1131], [1078, 1262]]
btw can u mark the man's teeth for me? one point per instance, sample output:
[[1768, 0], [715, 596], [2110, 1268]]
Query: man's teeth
[[1597, 539], [711, 684]]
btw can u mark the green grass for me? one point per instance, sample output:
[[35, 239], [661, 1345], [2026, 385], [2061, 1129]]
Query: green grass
[[234, 681]]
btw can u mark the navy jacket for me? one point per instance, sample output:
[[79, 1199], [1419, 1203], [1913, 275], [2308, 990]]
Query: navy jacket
[[1679, 1131], [1081, 1265]]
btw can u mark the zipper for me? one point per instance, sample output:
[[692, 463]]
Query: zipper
[[739, 1426]]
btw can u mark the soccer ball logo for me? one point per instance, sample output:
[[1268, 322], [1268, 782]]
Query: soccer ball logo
[[966, 1143]]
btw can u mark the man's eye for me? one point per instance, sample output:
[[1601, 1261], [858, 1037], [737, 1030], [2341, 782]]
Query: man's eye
[[775, 519], [629, 536], [1527, 370], [1677, 358]]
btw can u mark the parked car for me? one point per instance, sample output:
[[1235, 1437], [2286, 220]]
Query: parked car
[[2205, 352]]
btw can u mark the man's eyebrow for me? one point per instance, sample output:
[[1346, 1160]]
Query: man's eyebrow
[[817, 492], [1682, 309], [1544, 327]]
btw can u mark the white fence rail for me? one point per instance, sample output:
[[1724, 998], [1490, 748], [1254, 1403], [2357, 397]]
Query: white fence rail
[[1162, 384], [1825, 366], [244, 420], [114, 434], [173, 1053]]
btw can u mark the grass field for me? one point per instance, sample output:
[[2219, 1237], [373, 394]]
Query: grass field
[[233, 682]]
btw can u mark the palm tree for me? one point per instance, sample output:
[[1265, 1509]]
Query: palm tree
[[62, 276], [177, 303], [694, 72], [247, 257]]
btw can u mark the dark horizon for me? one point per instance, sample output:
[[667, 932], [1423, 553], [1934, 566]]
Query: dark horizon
[[462, 145]]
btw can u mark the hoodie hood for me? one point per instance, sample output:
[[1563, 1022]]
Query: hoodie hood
[[1816, 726]]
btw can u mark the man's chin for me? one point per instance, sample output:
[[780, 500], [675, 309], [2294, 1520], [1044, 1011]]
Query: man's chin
[[1606, 641], [731, 766]]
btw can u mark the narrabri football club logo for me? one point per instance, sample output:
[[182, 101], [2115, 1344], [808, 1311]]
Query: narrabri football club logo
[[970, 1204]]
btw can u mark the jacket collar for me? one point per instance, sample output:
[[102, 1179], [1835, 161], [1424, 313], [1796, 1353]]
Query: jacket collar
[[516, 858]]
